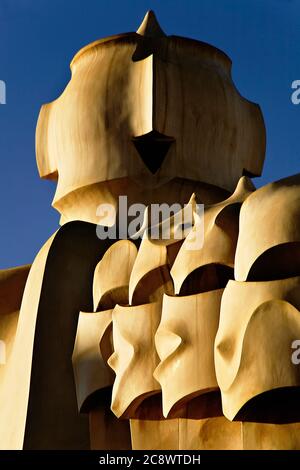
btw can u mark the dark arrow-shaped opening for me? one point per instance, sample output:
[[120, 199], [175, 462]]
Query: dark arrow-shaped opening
[[153, 148]]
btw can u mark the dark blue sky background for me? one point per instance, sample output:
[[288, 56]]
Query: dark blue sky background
[[38, 39]]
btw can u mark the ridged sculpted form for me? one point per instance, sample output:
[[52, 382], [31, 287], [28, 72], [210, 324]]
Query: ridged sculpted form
[[245, 353], [158, 337], [150, 277], [184, 341], [260, 317], [91, 371], [220, 227], [93, 344], [110, 284], [258, 323], [135, 358], [269, 237]]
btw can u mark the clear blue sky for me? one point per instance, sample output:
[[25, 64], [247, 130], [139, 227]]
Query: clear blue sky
[[38, 39]]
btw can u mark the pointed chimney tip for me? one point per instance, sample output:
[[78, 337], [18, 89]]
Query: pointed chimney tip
[[150, 26]]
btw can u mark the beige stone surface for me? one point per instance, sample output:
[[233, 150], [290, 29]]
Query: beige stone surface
[[181, 434], [150, 277], [15, 379], [91, 371], [135, 357], [112, 275], [219, 228], [12, 285], [154, 434], [258, 323], [266, 436], [269, 237], [38, 387], [185, 345]]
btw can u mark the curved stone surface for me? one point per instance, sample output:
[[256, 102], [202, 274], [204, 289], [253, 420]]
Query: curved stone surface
[[112, 274], [185, 343], [258, 323], [134, 358], [270, 223], [150, 277], [40, 410], [91, 371], [219, 231]]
